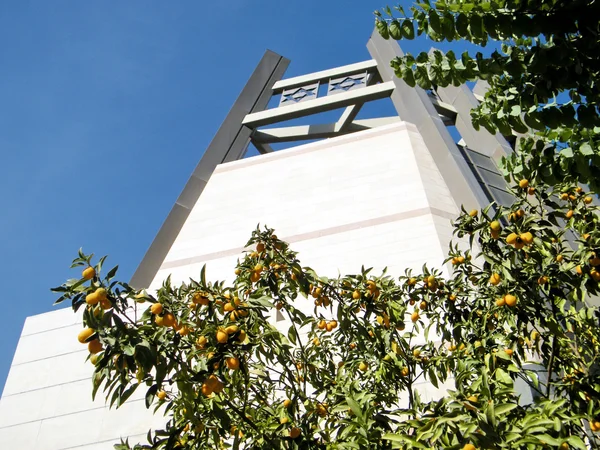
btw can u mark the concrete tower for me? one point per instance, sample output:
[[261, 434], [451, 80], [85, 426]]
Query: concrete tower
[[378, 191]]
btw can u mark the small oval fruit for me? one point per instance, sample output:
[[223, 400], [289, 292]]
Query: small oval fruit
[[414, 316], [495, 279], [495, 226], [469, 447], [94, 346], [161, 395], [169, 320], [92, 299], [473, 213], [587, 200], [295, 432], [286, 403], [363, 366], [84, 334], [200, 299], [283, 420], [241, 336], [201, 342], [527, 238], [356, 295], [232, 363], [511, 239], [156, 308], [222, 337], [88, 273], [510, 300], [524, 183]]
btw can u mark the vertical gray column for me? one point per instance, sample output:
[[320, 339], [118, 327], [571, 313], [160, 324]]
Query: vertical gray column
[[414, 106], [229, 144]]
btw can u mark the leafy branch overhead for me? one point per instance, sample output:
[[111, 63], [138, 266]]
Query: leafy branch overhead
[[543, 73]]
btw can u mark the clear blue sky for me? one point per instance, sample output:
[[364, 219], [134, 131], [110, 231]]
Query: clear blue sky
[[107, 106]]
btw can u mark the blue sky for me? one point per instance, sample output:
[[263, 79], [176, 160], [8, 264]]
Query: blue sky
[[106, 107]]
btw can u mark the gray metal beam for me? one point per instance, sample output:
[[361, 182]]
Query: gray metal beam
[[316, 131], [262, 147], [413, 105], [348, 116], [319, 105], [323, 75], [229, 144]]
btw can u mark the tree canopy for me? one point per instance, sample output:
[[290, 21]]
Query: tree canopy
[[543, 74], [508, 336]]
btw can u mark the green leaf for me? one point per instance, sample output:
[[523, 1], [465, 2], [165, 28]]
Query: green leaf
[[292, 335], [462, 25], [403, 438], [434, 22], [408, 29], [448, 26], [382, 28], [395, 30], [355, 408], [576, 442], [547, 439], [476, 26], [586, 149], [409, 77], [503, 377], [504, 408], [112, 272]]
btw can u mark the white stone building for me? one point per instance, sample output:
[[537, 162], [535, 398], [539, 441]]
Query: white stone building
[[378, 191]]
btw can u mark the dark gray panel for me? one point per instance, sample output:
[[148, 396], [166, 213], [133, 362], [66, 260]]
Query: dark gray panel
[[492, 178], [501, 196], [481, 160], [230, 143]]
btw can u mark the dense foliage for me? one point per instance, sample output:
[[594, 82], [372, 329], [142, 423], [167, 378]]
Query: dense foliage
[[544, 74], [345, 370]]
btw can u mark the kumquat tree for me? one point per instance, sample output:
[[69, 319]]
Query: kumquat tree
[[505, 330], [514, 309]]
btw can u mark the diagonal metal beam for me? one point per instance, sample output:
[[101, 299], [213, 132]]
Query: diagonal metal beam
[[262, 147], [348, 116], [229, 144], [319, 105], [324, 75]]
